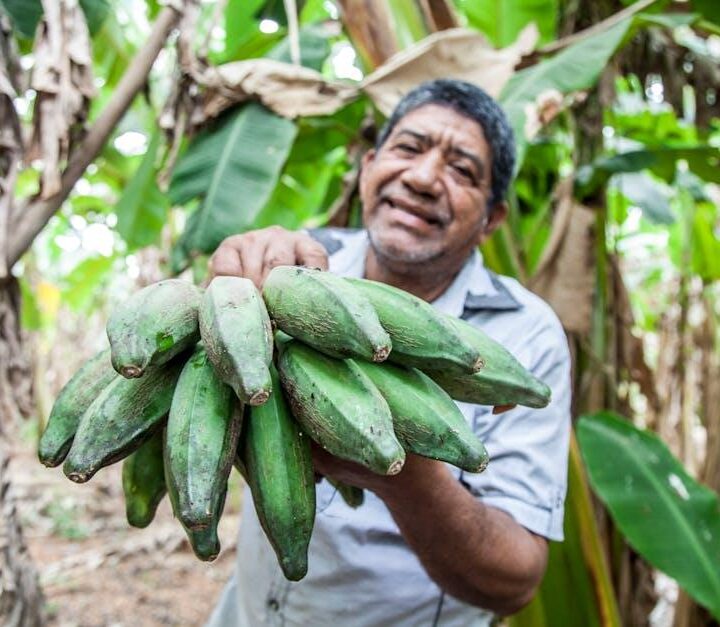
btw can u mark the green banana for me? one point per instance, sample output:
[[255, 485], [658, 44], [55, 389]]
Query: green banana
[[279, 470], [153, 325], [143, 481], [201, 439], [502, 381], [77, 395], [325, 312], [340, 408], [421, 336], [205, 542], [426, 420], [237, 334], [127, 412], [352, 495]]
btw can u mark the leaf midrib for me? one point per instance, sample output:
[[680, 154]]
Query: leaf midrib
[[219, 168], [695, 541]]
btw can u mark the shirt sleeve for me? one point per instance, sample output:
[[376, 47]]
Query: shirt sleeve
[[528, 448]]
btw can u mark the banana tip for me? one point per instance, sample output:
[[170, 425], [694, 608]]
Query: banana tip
[[395, 467], [259, 398], [77, 476], [48, 462], [208, 557], [131, 372], [381, 354], [482, 465]]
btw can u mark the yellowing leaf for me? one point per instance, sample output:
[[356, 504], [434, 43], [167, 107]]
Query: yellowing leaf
[[47, 296]]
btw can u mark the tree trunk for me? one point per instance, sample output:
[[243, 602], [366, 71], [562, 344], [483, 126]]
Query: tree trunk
[[20, 596], [21, 601], [15, 372], [687, 612]]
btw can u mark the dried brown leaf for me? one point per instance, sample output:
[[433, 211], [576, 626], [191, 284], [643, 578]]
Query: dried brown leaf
[[566, 277], [62, 77], [455, 53], [289, 90], [293, 91]]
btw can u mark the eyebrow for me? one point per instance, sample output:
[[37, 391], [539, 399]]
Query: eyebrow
[[425, 139]]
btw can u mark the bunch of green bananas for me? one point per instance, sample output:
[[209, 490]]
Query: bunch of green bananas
[[197, 380]]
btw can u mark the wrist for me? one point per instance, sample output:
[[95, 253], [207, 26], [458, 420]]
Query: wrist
[[421, 479]]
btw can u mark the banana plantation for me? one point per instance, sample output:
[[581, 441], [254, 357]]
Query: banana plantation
[[136, 135]]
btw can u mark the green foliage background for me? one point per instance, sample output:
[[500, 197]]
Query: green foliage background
[[653, 180]]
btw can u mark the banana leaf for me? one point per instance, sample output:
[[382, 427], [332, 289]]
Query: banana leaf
[[702, 160], [577, 67], [577, 589], [142, 208], [666, 516], [95, 13], [25, 15], [502, 20], [234, 168]]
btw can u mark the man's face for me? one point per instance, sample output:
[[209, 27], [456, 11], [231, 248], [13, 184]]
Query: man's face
[[425, 192]]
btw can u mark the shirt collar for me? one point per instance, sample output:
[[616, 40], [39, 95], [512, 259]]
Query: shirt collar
[[474, 289]]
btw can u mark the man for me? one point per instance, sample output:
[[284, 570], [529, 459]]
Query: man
[[431, 545]]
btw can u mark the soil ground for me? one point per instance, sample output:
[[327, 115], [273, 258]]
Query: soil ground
[[96, 570]]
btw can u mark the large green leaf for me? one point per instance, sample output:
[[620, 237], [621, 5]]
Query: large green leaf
[[702, 160], [317, 136], [30, 314], [83, 283], [240, 160], [643, 191], [301, 192], [407, 22], [705, 242], [235, 168], [95, 13], [314, 11], [577, 588], [112, 52], [314, 48], [241, 28], [500, 254], [710, 9], [668, 20], [634, 119], [694, 245], [142, 209], [666, 516], [576, 68], [25, 15], [502, 20], [239, 20]]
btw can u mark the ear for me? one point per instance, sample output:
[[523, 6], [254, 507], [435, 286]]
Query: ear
[[497, 216], [367, 160], [368, 157]]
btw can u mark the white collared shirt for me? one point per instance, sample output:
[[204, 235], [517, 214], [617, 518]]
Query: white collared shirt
[[361, 572]]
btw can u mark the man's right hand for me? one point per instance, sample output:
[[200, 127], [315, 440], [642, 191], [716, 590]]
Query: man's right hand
[[253, 254]]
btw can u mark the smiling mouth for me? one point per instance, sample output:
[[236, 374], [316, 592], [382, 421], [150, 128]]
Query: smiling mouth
[[431, 221]]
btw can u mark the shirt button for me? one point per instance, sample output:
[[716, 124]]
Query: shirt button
[[273, 604]]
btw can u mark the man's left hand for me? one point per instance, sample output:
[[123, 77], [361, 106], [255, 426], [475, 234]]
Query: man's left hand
[[356, 475]]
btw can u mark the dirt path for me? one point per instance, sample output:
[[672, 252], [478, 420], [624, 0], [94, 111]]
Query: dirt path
[[96, 570]]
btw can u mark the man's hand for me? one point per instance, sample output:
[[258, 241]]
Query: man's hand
[[253, 254], [475, 552]]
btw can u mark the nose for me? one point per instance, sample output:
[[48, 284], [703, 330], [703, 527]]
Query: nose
[[422, 176]]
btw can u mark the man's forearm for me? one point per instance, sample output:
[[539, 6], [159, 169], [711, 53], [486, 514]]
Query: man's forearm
[[477, 553]]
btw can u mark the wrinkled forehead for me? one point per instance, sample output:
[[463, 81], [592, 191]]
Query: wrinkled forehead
[[443, 124]]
